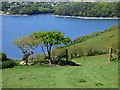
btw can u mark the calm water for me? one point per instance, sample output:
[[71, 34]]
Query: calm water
[[14, 27]]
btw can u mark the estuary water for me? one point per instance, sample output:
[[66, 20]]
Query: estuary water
[[14, 27]]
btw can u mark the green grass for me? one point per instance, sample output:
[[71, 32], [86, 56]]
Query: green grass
[[104, 40], [100, 43], [95, 72]]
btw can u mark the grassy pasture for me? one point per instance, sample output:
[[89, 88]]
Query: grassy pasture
[[95, 72]]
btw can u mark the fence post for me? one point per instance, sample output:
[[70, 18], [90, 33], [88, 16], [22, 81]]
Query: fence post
[[110, 54], [66, 54]]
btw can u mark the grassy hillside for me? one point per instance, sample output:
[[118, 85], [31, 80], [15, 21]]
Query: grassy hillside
[[95, 72], [106, 39], [98, 44]]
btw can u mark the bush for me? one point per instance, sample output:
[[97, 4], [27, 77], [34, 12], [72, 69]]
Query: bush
[[94, 51], [59, 61], [8, 64], [3, 57], [75, 52], [62, 62]]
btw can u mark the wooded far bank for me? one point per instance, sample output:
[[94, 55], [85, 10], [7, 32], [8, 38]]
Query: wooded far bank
[[82, 9]]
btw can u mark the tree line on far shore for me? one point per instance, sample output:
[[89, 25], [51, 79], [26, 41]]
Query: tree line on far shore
[[27, 8], [82, 9], [88, 9]]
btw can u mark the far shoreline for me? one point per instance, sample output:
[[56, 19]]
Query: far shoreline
[[61, 16]]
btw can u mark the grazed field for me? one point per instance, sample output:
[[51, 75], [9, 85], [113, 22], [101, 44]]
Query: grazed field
[[95, 72]]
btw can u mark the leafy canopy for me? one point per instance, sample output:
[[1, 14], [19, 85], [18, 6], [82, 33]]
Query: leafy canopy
[[51, 37], [27, 42]]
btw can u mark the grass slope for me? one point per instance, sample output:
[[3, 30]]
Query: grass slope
[[95, 72], [100, 43], [104, 40]]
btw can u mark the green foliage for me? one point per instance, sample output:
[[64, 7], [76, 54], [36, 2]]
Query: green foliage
[[8, 64], [75, 52], [27, 8], [49, 39], [83, 9], [46, 39], [26, 44], [3, 57], [62, 62], [88, 9], [94, 51]]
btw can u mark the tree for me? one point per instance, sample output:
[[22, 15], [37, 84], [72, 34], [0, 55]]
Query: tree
[[47, 39], [26, 44]]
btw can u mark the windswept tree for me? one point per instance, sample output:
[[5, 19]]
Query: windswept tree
[[47, 39], [26, 44]]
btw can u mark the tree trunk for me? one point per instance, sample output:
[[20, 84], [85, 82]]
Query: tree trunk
[[26, 62], [49, 57], [49, 54], [43, 52]]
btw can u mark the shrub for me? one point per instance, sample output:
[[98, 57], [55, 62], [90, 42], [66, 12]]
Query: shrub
[[62, 62], [94, 51], [3, 57], [75, 52], [59, 62], [58, 53], [90, 52], [8, 64]]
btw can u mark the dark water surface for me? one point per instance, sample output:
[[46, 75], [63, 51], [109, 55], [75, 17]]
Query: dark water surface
[[14, 27]]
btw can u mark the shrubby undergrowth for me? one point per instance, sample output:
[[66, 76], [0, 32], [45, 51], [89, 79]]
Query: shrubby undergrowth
[[6, 62]]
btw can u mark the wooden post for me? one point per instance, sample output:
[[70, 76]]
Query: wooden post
[[66, 54], [110, 54]]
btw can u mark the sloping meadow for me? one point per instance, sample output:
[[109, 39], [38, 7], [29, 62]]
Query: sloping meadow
[[96, 45]]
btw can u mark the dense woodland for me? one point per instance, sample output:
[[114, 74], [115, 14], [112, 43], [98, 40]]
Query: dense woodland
[[28, 8], [98, 9], [86, 9]]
